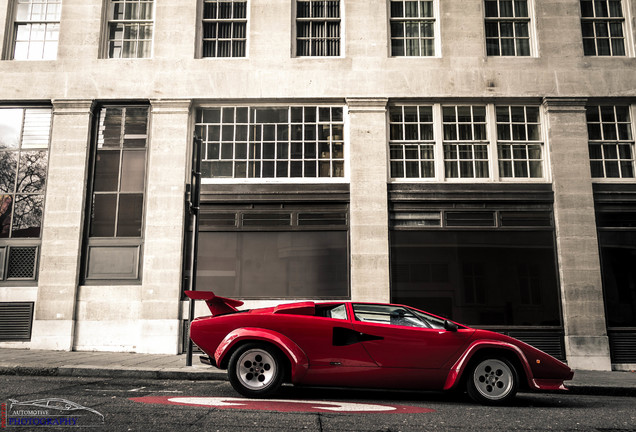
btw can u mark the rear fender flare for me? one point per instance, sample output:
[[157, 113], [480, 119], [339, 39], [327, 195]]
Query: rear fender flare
[[297, 358], [457, 370]]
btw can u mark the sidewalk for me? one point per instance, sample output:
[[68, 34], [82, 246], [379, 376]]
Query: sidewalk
[[161, 366]]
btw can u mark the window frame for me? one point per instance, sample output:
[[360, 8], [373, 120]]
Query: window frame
[[107, 21], [631, 110], [491, 141], [12, 31], [437, 44], [199, 51], [289, 179], [341, 28], [8, 243], [134, 244], [626, 27], [532, 39]]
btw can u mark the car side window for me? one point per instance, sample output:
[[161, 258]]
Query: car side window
[[332, 311], [388, 314]]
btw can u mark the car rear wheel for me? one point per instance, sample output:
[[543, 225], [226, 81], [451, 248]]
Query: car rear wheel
[[255, 370], [493, 381]]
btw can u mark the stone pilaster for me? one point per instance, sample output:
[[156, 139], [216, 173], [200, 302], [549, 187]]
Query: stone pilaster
[[168, 152], [586, 341], [54, 323], [368, 209]]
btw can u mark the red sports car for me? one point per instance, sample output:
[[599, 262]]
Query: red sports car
[[354, 344]]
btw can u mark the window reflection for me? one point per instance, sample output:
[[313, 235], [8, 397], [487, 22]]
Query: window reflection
[[32, 173], [27, 218], [24, 139]]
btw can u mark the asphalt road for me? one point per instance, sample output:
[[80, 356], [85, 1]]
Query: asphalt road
[[376, 410]]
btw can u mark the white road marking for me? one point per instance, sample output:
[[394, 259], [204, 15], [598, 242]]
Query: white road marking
[[322, 405]]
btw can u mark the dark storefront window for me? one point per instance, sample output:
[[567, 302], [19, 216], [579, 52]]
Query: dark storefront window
[[482, 278], [618, 257], [280, 253], [615, 206]]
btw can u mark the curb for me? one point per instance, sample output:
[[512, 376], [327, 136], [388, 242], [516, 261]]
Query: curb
[[96, 372]]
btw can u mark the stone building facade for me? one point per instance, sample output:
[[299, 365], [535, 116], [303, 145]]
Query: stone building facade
[[471, 158]]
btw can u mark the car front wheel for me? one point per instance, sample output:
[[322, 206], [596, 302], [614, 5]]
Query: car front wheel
[[255, 370], [493, 381]]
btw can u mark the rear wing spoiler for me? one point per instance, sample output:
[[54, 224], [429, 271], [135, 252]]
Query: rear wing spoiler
[[217, 305]]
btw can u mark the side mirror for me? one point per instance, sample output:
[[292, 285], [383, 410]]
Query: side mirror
[[450, 326]]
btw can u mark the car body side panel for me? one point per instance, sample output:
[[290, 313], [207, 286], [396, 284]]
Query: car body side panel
[[376, 377], [313, 336], [410, 347]]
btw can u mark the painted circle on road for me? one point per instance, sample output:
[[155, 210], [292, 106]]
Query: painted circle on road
[[283, 405]]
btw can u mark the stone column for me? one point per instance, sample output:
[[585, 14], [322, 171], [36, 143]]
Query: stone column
[[586, 341], [368, 209], [54, 324], [168, 152]]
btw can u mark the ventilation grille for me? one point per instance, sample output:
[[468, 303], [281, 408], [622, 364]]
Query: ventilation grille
[[15, 321], [623, 346], [22, 262], [548, 342]]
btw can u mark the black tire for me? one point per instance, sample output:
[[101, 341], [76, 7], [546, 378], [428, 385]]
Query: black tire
[[255, 370], [492, 381]]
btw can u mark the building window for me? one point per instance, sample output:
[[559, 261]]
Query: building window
[[611, 143], [465, 144], [24, 143], [118, 189], [412, 28], [460, 147], [224, 27], [274, 251], [130, 28], [519, 143], [318, 28], [272, 142], [507, 28], [36, 29], [412, 147], [602, 24]]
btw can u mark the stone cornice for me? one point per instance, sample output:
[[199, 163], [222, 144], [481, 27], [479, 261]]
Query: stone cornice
[[170, 106], [366, 104], [564, 104], [72, 106]]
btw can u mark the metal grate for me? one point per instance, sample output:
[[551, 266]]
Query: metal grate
[[22, 262], [15, 321], [622, 346], [470, 219]]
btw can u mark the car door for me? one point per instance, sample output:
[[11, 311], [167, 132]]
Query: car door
[[400, 337]]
